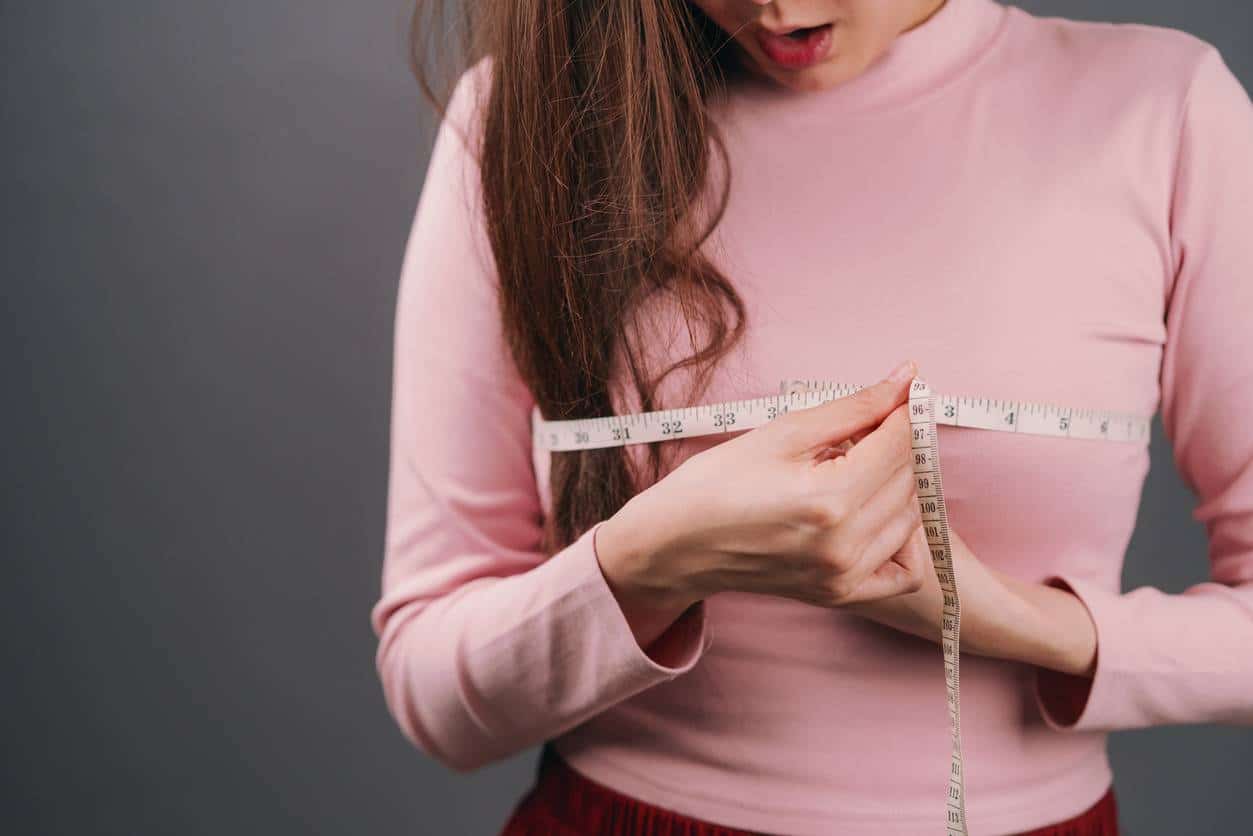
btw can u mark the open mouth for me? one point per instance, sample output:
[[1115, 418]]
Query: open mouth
[[805, 31], [796, 48]]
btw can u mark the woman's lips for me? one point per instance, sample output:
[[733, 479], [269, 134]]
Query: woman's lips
[[804, 47]]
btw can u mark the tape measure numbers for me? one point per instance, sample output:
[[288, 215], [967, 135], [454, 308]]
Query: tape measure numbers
[[732, 416], [926, 410]]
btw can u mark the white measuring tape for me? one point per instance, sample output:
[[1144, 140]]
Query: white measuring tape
[[926, 410]]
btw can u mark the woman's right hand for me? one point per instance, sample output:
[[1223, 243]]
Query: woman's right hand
[[788, 508]]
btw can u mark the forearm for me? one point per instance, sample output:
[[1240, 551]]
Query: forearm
[[1001, 616], [1006, 617], [503, 662], [1046, 626], [648, 584], [655, 580]]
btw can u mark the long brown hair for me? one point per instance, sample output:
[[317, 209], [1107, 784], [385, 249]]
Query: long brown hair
[[595, 165]]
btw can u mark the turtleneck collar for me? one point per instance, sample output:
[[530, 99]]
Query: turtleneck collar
[[918, 60]]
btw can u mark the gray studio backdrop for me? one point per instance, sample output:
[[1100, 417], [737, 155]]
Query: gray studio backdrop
[[205, 206]]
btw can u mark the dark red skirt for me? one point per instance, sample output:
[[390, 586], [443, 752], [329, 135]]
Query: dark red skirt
[[565, 803]]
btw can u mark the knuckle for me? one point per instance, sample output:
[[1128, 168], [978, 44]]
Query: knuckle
[[905, 434], [905, 450], [839, 562], [790, 427], [824, 512], [863, 401], [812, 513], [839, 590], [838, 510]]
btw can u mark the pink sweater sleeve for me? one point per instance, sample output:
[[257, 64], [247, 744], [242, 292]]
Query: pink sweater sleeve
[[1188, 658], [486, 645]]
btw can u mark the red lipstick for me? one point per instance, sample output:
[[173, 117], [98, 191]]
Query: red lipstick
[[796, 48]]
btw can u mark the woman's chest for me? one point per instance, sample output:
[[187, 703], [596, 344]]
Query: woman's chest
[[1007, 266], [1041, 284]]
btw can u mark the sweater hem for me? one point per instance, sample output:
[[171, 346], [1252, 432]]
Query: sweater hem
[[1074, 790]]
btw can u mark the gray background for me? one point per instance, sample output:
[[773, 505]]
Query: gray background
[[205, 206]]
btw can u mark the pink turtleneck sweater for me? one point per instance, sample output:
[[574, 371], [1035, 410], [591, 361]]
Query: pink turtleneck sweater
[[1072, 202]]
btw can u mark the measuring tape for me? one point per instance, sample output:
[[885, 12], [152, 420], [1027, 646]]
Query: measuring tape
[[926, 410]]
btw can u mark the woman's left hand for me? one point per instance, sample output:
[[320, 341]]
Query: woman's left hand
[[1001, 616]]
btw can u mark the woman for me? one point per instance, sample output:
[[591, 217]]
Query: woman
[[659, 203]]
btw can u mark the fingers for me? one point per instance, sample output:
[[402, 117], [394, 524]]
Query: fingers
[[903, 570], [854, 477], [872, 534], [895, 497], [829, 423]]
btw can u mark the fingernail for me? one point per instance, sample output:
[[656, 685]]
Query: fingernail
[[902, 372]]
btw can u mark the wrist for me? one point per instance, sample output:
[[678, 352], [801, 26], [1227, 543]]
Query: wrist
[[650, 601], [1056, 630], [1074, 650], [639, 558]]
